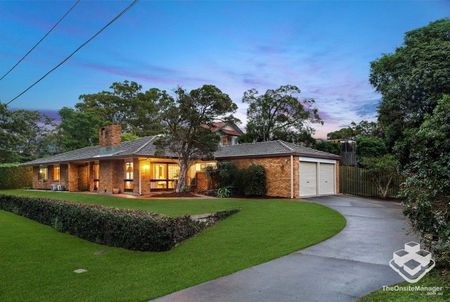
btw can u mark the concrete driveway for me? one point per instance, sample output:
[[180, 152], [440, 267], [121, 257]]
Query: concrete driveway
[[343, 268]]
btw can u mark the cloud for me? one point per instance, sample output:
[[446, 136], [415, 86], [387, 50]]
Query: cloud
[[369, 108]]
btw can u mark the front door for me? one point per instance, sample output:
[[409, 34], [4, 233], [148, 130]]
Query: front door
[[83, 178]]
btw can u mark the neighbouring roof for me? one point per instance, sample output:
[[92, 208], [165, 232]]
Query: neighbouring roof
[[221, 126], [145, 147], [271, 148]]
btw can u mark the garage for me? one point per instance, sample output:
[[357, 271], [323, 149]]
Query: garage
[[317, 177]]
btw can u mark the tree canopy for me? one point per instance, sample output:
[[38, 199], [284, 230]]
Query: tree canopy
[[279, 114], [411, 81], [24, 135]]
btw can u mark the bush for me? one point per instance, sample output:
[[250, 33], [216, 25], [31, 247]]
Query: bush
[[224, 192], [13, 176], [253, 180], [130, 229], [231, 180]]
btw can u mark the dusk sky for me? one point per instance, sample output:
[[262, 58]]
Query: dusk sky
[[324, 47]]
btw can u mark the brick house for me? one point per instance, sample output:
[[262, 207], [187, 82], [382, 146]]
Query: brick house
[[134, 167]]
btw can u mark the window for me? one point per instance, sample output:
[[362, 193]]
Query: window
[[164, 176], [129, 171], [56, 173], [96, 171], [43, 173], [225, 140], [129, 174]]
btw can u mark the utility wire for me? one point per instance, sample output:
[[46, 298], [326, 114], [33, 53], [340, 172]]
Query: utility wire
[[42, 39], [75, 51]]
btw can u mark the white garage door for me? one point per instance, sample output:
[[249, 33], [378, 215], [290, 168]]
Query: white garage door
[[326, 179], [308, 178]]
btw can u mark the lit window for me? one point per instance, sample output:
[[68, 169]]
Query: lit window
[[43, 173], [56, 173], [96, 171], [174, 171], [129, 171]]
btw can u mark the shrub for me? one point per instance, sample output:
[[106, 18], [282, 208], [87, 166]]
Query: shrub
[[231, 180], [223, 192], [253, 180], [130, 229], [13, 176]]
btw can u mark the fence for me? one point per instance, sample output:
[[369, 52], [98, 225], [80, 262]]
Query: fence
[[358, 181]]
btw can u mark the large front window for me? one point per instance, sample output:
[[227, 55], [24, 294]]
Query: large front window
[[129, 176], [164, 176]]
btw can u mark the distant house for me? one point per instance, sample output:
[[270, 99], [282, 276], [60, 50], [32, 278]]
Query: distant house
[[228, 132], [135, 167]]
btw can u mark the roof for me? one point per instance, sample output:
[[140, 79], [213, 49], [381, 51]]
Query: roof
[[138, 147], [271, 148], [145, 147], [220, 126]]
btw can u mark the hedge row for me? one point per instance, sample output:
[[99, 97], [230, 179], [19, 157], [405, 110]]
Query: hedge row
[[130, 229], [13, 176]]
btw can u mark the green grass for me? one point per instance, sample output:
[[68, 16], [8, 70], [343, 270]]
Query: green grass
[[37, 262], [433, 279]]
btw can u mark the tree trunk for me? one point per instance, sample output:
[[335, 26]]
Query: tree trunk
[[181, 184]]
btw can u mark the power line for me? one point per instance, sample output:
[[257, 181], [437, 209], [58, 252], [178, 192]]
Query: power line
[[42, 39], [75, 51]]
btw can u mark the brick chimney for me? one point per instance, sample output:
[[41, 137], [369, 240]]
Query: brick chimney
[[110, 136]]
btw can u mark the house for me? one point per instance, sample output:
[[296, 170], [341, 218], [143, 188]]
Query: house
[[228, 132], [135, 167]]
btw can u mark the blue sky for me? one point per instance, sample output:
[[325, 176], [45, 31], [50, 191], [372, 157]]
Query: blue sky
[[324, 47]]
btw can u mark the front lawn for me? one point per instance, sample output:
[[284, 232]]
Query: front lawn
[[37, 262]]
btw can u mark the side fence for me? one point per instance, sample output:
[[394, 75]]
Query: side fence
[[357, 181]]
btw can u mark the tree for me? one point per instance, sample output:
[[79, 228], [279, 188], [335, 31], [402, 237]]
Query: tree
[[426, 191], [364, 127], [279, 114], [381, 171], [328, 146], [138, 113], [78, 129], [126, 104], [187, 119], [22, 134], [369, 146], [411, 81]]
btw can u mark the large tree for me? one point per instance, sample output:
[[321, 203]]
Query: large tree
[[411, 80], [24, 135], [279, 114], [187, 119], [126, 103]]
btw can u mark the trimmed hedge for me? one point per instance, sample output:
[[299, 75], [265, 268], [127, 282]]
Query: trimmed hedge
[[130, 229], [13, 176]]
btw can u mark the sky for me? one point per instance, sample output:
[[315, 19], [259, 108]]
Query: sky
[[323, 47]]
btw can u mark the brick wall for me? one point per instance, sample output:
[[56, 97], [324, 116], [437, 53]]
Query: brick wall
[[278, 174], [203, 182]]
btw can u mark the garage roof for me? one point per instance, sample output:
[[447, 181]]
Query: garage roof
[[271, 148]]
